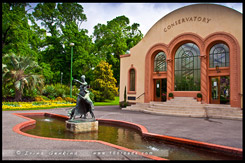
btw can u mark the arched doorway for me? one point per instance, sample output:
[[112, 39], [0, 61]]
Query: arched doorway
[[219, 85], [160, 81]]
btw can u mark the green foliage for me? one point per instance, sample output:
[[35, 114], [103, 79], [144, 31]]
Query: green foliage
[[47, 73], [21, 73], [115, 39], [91, 95], [17, 35], [48, 46], [104, 84], [170, 95], [49, 91], [31, 93], [59, 90], [62, 21], [124, 104], [186, 83], [7, 90], [199, 95], [125, 94], [98, 96]]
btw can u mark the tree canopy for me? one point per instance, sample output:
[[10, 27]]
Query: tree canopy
[[114, 39], [45, 33]]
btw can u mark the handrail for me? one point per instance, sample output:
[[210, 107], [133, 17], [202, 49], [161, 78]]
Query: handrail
[[140, 95]]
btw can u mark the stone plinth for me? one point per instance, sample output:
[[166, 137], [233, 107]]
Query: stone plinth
[[82, 126]]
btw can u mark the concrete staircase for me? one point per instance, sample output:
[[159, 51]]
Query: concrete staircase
[[223, 111], [189, 107]]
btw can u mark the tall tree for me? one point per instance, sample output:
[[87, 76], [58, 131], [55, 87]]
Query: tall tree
[[71, 12], [63, 21], [114, 39], [17, 35]]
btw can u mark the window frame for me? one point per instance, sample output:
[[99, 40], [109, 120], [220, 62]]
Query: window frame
[[188, 53], [213, 55], [131, 80], [163, 62]]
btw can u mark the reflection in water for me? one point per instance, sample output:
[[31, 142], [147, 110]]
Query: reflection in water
[[122, 136]]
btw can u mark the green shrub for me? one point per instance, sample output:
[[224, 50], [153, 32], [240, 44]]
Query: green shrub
[[39, 98], [68, 99], [59, 90], [7, 91], [98, 96], [170, 95], [59, 99], [124, 104], [91, 95], [49, 91], [39, 103], [104, 84], [199, 95]]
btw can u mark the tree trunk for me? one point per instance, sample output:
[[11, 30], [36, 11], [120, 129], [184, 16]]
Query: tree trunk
[[18, 95]]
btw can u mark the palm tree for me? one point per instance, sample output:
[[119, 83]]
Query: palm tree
[[17, 69]]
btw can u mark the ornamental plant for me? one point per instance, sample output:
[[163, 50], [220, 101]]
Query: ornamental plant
[[104, 84], [170, 95], [199, 95], [20, 71]]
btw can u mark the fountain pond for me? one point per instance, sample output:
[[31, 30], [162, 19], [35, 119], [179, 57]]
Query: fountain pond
[[54, 127]]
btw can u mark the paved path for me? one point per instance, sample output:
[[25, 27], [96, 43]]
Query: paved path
[[217, 131]]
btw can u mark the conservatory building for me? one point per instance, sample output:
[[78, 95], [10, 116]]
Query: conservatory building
[[194, 49]]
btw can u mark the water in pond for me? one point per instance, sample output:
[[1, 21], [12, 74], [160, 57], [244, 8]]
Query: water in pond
[[54, 127]]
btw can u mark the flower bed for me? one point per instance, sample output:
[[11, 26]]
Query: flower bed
[[41, 103], [36, 104]]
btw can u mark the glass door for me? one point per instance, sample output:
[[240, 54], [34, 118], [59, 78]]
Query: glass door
[[225, 89], [164, 90], [160, 86], [157, 90], [215, 91], [220, 90]]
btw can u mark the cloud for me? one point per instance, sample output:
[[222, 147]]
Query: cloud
[[146, 14]]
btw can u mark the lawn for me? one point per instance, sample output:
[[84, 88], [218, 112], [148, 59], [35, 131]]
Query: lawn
[[9, 106], [113, 102]]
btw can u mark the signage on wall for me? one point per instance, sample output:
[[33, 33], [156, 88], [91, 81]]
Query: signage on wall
[[186, 20]]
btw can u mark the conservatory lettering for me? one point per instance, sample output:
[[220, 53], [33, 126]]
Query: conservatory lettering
[[187, 19]]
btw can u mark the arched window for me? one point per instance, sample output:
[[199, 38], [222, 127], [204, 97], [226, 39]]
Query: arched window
[[160, 62], [187, 68], [219, 56], [132, 80]]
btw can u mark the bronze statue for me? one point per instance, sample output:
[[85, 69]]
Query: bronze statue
[[84, 103]]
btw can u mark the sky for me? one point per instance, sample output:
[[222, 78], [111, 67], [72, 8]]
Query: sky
[[145, 14]]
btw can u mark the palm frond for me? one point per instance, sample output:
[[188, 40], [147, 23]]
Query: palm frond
[[17, 85]]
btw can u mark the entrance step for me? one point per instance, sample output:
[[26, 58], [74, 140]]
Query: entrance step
[[200, 112], [221, 111], [178, 113], [137, 107], [188, 107]]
